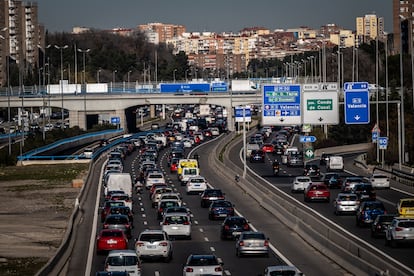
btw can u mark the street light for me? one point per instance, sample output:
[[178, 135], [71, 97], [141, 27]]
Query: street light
[[175, 70], [113, 79], [97, 75], [61, 48], [84, 51], [129, 72], [402, 146], [186, 79], [8, 88]]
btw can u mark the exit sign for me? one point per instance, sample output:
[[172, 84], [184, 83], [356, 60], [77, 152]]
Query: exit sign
[[319, 104]]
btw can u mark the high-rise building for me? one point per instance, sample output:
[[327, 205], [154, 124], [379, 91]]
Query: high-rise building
[[369, 27], [21, 36], [160, 33], [403, 20]]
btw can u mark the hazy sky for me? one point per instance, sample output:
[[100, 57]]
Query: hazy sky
[[209, 15]]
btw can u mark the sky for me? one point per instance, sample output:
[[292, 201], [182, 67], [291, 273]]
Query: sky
[[209, 15]]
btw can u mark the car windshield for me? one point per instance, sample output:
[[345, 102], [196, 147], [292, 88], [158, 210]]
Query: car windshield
[[197, 180], [237, 221], [116, 220], [407, 203], [406, 224], [222, 204], [375, 206], [203, 261], [254, 236], [213, 193], [347, 197], [303, 179], [122, 260], [176, 219], [166, 204], [283, 273]]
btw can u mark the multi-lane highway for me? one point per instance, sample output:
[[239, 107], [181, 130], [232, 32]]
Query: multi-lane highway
[[288, 246]]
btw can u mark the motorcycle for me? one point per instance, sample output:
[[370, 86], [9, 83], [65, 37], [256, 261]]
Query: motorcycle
[[275, 168]]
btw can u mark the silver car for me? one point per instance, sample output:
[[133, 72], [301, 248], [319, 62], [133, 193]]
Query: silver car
[[252, 243], [346, 203], [154, 244], [401, 230]]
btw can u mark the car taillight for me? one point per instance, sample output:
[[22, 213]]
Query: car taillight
[[164, 243], [165, 223], [339, 202], [189, 269], [139, 244], [105, 226], [399, 229], [217, 269], [226, 227], [241, 243], [186, 223], [246, 227], [266, 243]]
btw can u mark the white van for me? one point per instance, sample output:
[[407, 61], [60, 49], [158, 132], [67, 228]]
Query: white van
[[287, 152], [335, 163]]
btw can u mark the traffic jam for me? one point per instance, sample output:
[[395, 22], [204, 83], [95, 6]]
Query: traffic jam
[[161, 173]]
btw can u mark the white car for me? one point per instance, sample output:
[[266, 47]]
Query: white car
[[215, 131], [173, 196], [123, 260], [203, 265], [188, 143], [154, 244], [300, 183], [177, 224], [156, 195], [153, 178], [196, 184], [380, 181], [282, 270]]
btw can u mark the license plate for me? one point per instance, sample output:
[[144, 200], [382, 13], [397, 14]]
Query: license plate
[[236, 233], [196, 185], [112, 242], [150, 246], [174, 228], [222, 215]]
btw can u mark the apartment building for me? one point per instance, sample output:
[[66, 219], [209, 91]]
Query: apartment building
[[22, 37], [369, 27], [403, 20], [160, 33]]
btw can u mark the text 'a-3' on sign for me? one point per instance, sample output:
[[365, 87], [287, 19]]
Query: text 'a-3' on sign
[[356, 103]]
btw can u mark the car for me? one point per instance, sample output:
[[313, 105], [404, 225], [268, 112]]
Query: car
[[118, 222], [173, 196], [107, 206], [311, 170], [233, 226], [405, 207], [364, 191], [177, 225], [300, 183], [332, 180], [157, 193], [379, 181], [196, 184], [282, 270], [210, 195], [252, 243], [317, 192], [220, 209], [154, 189], [111, 239], [173, 165], [178, 209], [122, 197], [88, 153], [154, 243], [122, 210], [324, 159], [401, 230], [203, 264], [154, 177], [112, 273], [257, 156], [123, 260], [346, 203], [163, 204], [295, 159], [268, 148], [380, 225], [350, 181], [368, 211]]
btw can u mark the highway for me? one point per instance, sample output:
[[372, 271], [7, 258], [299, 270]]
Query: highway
[[205, 233]]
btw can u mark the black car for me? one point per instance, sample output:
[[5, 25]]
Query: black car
[[122, 210], [210, 195], [220, 209], [364, 191], [332, 180], [311, 170], [380, 224], [232, 227], [257, 156], [324, 159]]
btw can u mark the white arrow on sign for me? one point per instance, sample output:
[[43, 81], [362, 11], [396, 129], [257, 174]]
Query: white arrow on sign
[[309, 153], [357, 117]]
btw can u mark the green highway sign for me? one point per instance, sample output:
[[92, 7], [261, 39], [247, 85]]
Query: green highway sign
[[319, 104], [309, 153]]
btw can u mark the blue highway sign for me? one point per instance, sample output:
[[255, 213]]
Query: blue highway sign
[[383, 142], [307, 139], [356, 103]]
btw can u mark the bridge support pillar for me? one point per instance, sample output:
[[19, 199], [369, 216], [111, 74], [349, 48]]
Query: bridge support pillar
[[152, 111], [121, 114]]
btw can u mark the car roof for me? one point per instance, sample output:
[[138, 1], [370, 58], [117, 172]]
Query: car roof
[[126, 252]]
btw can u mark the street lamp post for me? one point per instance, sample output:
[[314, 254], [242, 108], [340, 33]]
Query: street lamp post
[[97, 75], [175, 70], [128, 74], [61, 48], [113, 79], [186, 79], [84, 51]]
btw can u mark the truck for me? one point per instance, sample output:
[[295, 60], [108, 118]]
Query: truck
[[335, 163], [119, 182]]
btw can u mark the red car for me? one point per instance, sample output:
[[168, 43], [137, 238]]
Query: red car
[[268, 148], [111, 239], [174, 165], [317, 191]]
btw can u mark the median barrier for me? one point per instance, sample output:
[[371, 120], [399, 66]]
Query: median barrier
[[343, 248]]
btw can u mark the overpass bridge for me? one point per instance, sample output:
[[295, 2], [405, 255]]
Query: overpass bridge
[[83, 106]]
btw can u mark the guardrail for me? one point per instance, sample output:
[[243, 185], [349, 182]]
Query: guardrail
[[345, 249]]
